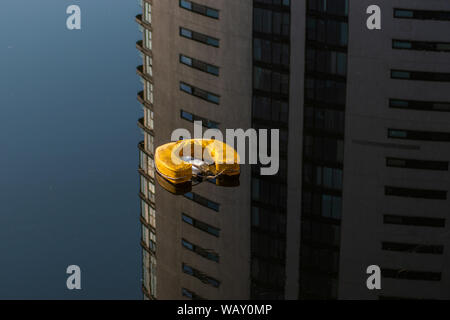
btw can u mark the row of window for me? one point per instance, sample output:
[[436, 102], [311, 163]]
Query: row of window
[[414, 221], [190, 294], [328, 32], [203, 201], [199, 65], [148, 189], [329, 120], [326, 61], [207, 254], [147, 164], [419, 105], [200, 275], [200, 9], [421, 14], [200, 37], [205, 122], [271, 22], [324, 149], [148, 213], [328, 91], [419, 135], [411, 275], [415, 193], [274, 3], [420, 75], [409, 247], [321, 176], [421, 45], [271, 81], [149, 238], [271, 51], [200, 225], [268, 220], [321, 204], [149, 272], [270, 109], [200, 93], [417, 164], [332, 7]]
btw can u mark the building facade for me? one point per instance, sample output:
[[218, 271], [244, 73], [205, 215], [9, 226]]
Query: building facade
[[364, 124]]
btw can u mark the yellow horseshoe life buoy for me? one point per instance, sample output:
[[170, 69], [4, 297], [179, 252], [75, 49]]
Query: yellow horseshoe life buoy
[[174, 161]]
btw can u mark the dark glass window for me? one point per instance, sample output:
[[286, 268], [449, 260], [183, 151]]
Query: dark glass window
[[200, 93], [200, 9], [416, 193], [200, 37], [190, 294], [421, 14], [205, 122], [421, 45], [200, 225], [411, 275], [419, 135], [419, 105], [200, 275], [203, 201], [412, 248], [199, 65], [414, 221], [420, 75], [207, 254], [417, 164]]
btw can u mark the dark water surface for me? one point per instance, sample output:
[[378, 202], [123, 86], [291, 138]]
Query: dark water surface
[[68, 155]]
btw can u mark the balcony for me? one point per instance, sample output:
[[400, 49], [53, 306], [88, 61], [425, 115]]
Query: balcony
[[145, 103], [140, 71], [141, 124], [144, 50], [142, 22]]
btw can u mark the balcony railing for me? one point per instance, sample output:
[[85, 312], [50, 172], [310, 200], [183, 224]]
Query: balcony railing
[[140, 71], [142, 22], [140, 46]]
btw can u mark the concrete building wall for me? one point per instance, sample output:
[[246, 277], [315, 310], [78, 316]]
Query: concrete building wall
[[234, 29], [368, 118]]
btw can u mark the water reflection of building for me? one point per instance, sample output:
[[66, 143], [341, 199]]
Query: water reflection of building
[[364, 148]]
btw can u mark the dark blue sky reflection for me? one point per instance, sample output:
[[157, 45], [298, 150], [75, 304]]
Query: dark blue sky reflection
[[68, 155]]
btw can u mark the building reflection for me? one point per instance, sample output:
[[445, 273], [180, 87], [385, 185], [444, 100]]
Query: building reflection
[[364, 134]]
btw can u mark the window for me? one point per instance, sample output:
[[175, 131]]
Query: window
[[207, 254], [199, 93], [412, 248], [199, 65], [421, 45], [149, 238], [190, 295], [414, 221], [200, 275], [205, 122], [200, 225], [415, 193], [421, 14], [148, 12], [200, 9], [417, 164], [419, 135], [411, 275], [200, 37], [203, 201], [332, 7], [420, 75], [419, 105], [148, 214]]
